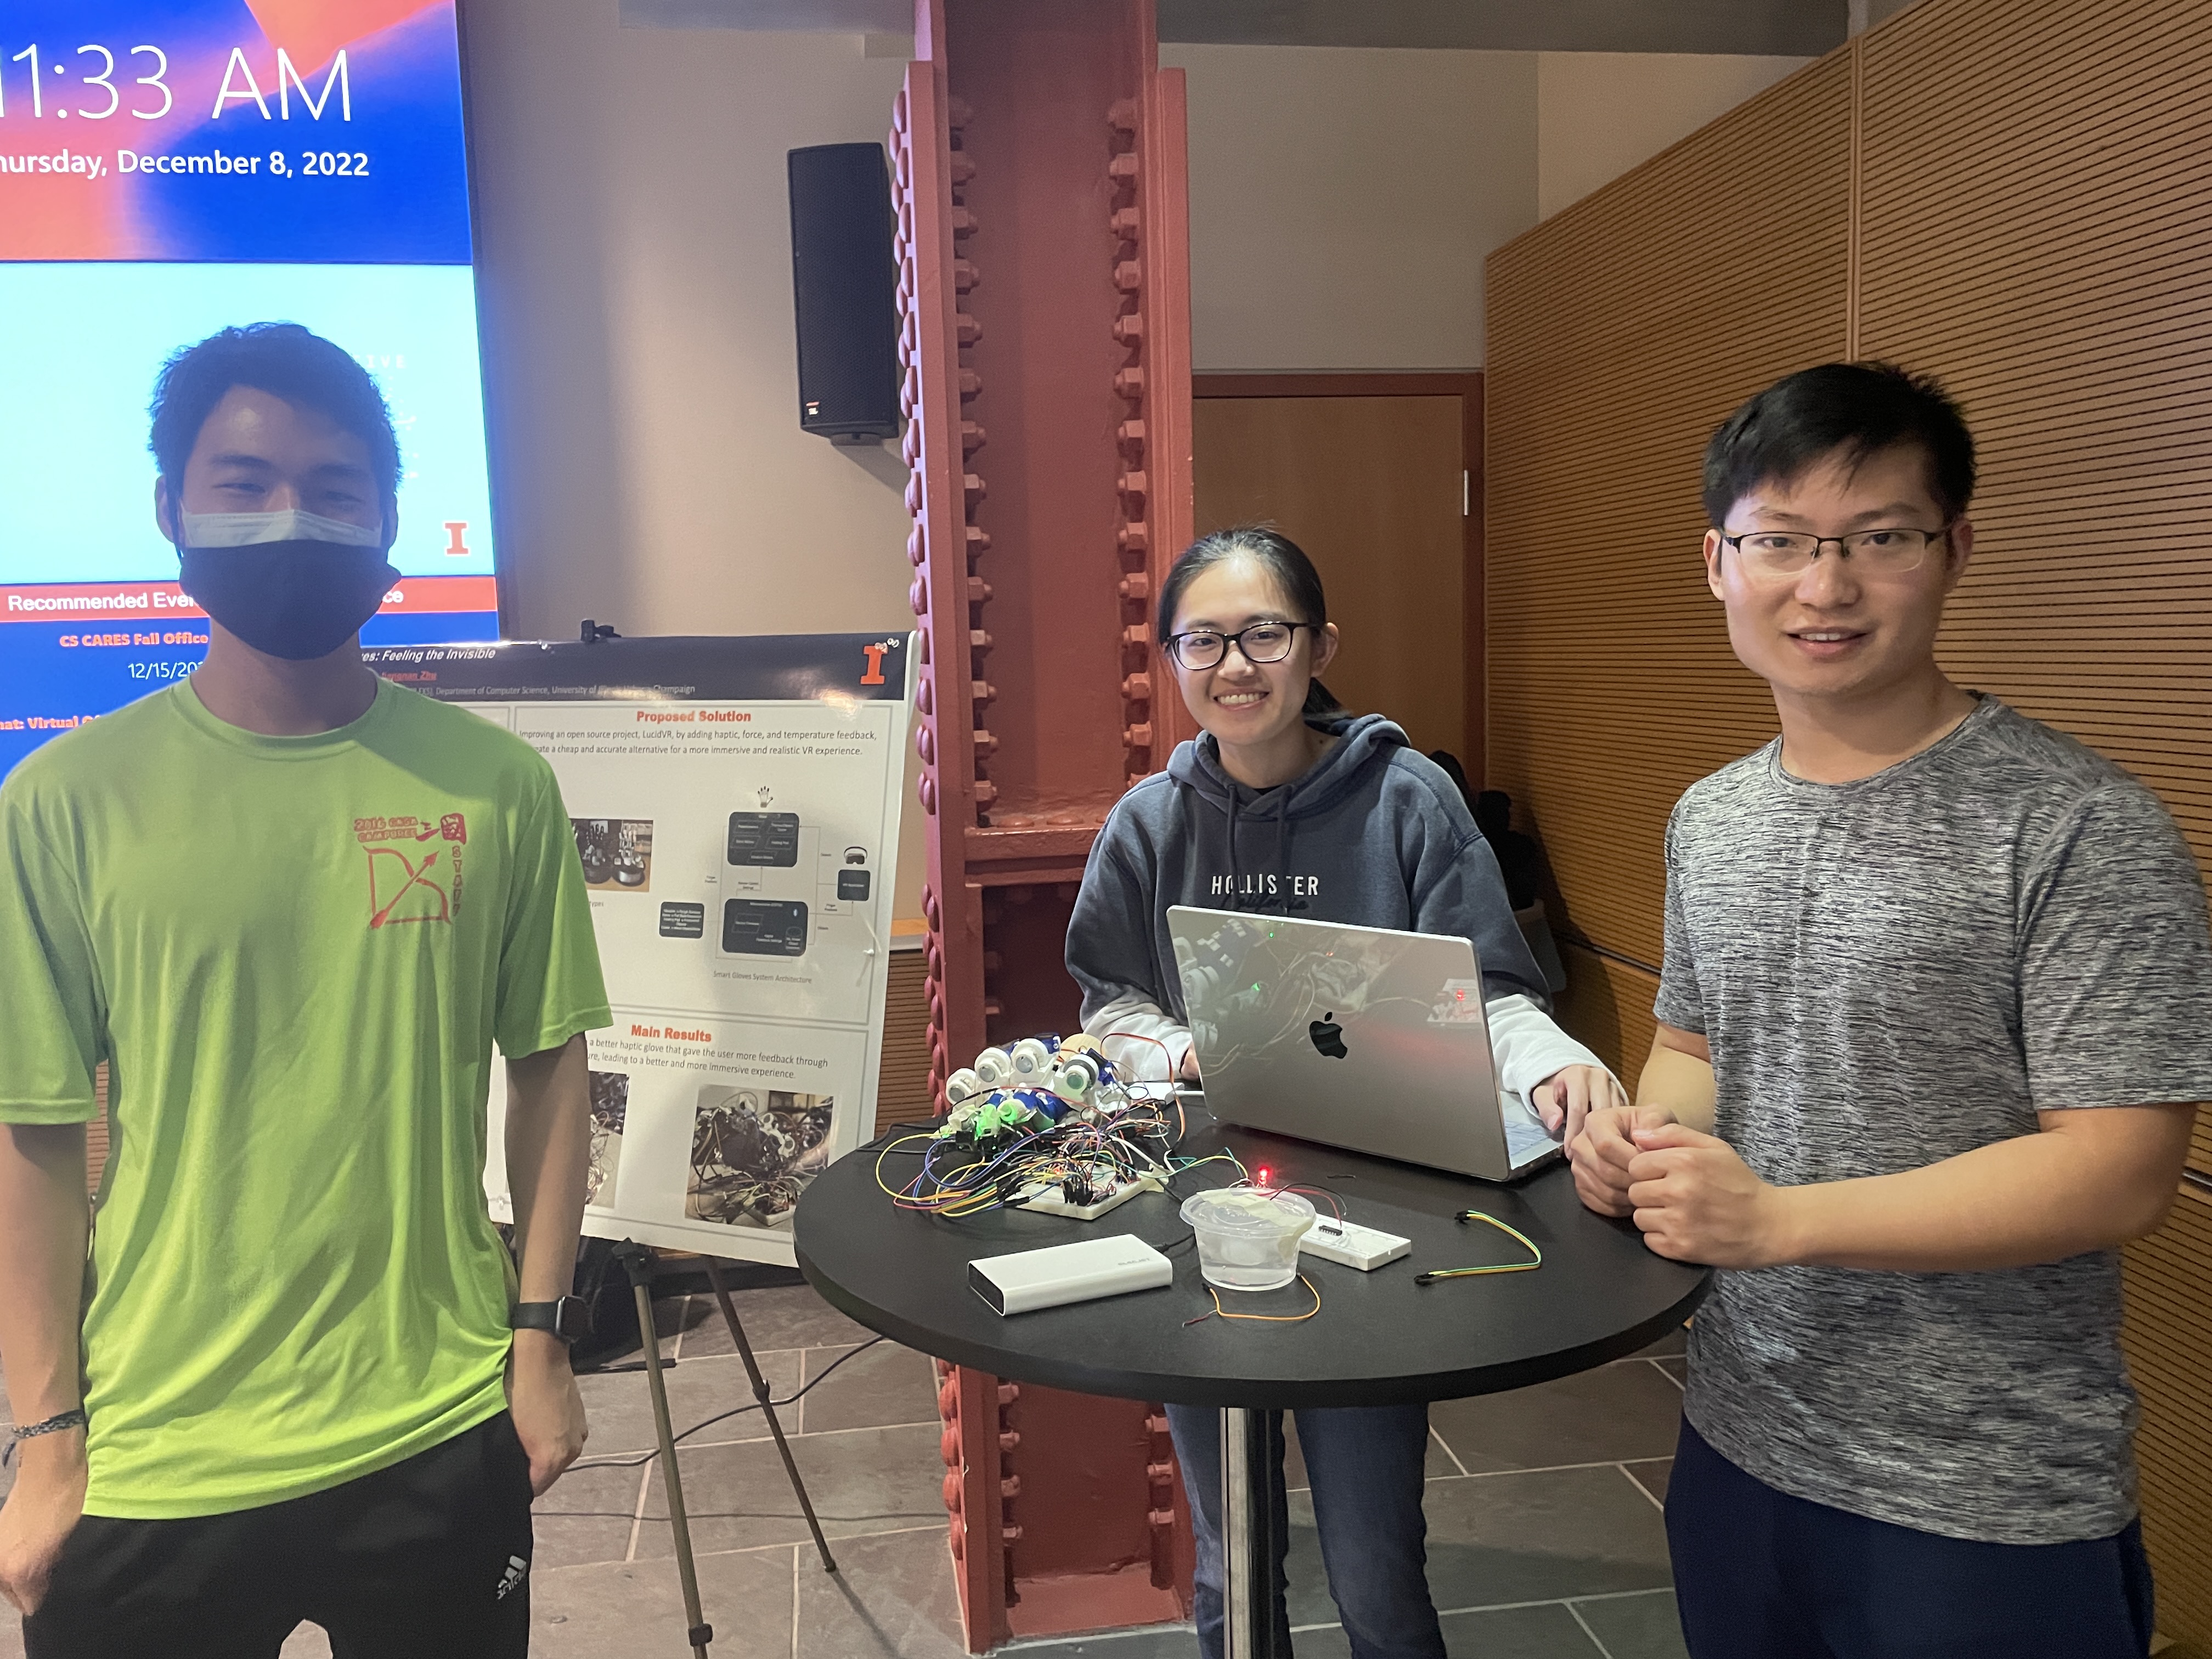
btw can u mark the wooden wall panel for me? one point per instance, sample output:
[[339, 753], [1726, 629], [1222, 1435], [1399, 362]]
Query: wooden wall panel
[[2024, 195], [903, 1091], [1622, 331], [2168, 1334], [95, 1132], [2035, 198], [1608, 1005]]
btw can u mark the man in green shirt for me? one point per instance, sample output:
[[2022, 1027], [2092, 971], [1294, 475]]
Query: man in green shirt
[[293, 907]]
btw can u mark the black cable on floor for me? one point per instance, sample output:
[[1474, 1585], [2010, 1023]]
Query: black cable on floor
[[736, 1411]]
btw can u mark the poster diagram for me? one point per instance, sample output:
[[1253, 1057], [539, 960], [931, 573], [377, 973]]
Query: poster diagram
[[735, 806]]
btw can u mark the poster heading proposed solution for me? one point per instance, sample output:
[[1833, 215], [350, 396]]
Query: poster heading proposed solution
[[735, 803]]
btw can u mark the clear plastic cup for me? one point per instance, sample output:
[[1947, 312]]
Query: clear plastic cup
[[1247, 1239]]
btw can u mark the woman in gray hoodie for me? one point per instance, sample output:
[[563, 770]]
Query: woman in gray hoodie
[[1287, 805]]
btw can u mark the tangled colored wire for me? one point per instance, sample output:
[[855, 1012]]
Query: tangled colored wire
[[1080, 1159]]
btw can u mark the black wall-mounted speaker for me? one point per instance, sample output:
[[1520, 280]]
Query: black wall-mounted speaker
[[845, 282]]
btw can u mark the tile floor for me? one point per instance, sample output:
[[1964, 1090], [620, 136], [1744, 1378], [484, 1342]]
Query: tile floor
[[1544, 1534]]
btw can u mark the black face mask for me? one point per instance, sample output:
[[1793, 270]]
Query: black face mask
[[294, 599]]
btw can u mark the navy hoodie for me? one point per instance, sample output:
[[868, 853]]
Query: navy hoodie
[[1373, 835]]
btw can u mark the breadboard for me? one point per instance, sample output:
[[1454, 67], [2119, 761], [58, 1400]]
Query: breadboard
[[1044, 1198], [1351, 1244]]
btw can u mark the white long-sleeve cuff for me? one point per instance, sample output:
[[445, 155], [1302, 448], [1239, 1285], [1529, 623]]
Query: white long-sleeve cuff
[[1139, 1038], [1528, 1046]]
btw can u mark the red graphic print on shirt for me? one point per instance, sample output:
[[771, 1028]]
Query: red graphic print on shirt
[[408, 886]]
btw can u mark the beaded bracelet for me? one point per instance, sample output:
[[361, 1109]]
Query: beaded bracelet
[[72, 1418]]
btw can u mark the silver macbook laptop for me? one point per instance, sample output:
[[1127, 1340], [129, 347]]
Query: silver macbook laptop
[[1358, 1037]]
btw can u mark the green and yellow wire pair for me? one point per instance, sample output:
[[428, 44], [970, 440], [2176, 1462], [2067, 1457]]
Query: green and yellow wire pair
[[1515, 1233]]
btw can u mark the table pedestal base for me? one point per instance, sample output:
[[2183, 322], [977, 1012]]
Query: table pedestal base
[[1248, 1536]]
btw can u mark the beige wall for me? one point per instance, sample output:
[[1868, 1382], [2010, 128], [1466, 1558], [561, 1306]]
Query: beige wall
[[1866, 14], [1599, 113], [635, 259], [1342, 199]]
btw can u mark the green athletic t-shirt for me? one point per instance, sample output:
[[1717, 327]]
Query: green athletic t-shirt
[[295, 954]]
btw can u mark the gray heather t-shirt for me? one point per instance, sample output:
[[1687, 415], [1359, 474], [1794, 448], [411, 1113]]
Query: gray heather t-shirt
[[1891, 972]]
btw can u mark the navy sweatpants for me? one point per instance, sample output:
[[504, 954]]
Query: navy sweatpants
[[1761, 1575]]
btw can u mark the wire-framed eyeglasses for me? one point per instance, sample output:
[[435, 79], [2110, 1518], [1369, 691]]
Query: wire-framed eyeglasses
[[1787, 552], [1261, 642]]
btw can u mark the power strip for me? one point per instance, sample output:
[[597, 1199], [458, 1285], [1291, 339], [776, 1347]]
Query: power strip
[[1351, 1244], [1045, 1198]]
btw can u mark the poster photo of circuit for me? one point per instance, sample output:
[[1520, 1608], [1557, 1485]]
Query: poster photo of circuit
[[753, 1151], [609, 1106], [617, 853]]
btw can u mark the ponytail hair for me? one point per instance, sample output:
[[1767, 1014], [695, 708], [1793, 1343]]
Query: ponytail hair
[[1284, 560], [1322, 705]]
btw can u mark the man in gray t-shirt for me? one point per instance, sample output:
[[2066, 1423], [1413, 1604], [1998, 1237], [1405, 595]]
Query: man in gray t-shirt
[[1938, 979]]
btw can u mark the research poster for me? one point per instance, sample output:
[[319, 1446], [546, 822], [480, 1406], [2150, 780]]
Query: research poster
[[735, 803]]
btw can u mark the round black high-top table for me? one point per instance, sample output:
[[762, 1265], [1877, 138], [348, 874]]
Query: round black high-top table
[[1379, 1339]]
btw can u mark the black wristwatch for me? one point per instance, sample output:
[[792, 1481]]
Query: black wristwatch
[[570, 1319]]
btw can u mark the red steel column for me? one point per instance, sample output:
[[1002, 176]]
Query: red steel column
[[1043, 257], [944, 547], [1151, 180]]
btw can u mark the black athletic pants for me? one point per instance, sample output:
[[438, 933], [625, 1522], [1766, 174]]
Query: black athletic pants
[[426, 1560]]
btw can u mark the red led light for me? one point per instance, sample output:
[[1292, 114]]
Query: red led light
[[1267, 1175]]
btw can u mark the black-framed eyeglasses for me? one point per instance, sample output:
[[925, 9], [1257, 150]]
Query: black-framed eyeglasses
[[1261, 642], [1787, 552]]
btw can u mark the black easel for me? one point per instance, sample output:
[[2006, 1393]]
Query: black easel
[[638, 1261], [768, 1410]]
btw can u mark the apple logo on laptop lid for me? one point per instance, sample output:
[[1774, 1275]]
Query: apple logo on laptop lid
[[1328, 1036]]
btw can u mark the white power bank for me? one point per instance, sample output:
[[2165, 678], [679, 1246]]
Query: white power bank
[[1050, 1278], [1364, 1248]]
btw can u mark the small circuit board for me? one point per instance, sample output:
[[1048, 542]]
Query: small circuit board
[[1086, 1203]]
